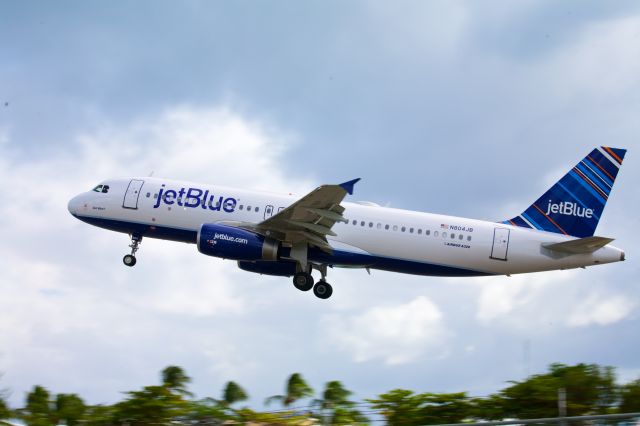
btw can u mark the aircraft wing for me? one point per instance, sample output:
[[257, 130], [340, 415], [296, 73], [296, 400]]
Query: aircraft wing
[[311, 218]]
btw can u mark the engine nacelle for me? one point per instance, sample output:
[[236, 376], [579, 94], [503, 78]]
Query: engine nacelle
[[281, 269], [229, 242]]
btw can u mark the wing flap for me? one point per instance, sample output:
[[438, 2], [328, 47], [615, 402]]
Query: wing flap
[[579, 246]]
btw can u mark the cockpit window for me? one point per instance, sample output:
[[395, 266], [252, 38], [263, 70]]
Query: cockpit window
[[101, 188]]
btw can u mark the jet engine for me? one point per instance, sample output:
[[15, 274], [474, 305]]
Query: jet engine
[[229, 242]]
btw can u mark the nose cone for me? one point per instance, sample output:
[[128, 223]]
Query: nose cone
[[73, 205]]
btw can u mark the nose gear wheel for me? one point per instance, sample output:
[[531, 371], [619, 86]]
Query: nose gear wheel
[[130, 259]]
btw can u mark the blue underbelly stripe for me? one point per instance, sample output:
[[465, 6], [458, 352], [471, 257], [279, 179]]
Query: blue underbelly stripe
[[339, 257]]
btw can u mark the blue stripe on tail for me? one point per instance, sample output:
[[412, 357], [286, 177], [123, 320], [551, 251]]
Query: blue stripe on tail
[[574, 205]]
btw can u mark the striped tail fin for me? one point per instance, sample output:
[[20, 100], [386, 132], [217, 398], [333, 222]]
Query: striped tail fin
[[574, 205]]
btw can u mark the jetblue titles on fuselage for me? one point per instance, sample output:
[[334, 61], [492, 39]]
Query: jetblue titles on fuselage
[[195, 197]]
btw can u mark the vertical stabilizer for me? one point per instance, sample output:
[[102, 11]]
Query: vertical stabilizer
[[574, 205]]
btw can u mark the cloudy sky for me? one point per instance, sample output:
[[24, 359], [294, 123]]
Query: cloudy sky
[[465, 108]]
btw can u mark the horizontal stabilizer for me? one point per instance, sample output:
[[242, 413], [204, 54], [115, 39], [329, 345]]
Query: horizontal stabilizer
[[579, 246]]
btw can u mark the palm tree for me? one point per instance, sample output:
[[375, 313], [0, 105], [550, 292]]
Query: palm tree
[[296, 389], [233, 393], [175, 379], [335, 407]]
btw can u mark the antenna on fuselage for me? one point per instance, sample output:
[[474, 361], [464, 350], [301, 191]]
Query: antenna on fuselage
[[151, 174]]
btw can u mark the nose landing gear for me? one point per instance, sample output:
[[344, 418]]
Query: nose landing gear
[[130, 259]]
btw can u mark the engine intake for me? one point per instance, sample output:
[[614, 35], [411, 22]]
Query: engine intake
[[229, 242]]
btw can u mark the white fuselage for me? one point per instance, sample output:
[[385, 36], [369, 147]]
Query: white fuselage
[[394, 239]]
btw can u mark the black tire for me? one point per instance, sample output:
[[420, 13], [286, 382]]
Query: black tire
[[129, 260], [323, 290], [303, 281]]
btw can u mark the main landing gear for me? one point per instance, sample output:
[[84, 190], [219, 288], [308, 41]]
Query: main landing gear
[[130, 259], [303, 281]]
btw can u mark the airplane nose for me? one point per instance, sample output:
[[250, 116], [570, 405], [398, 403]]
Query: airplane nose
[[73, 205]]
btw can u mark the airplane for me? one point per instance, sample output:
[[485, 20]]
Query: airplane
[[283, 235]]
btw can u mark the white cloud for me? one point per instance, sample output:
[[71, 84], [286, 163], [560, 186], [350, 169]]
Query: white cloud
[[397, 334], [600, 310], [605, 61], [503, 297], [533, 302], [67, 300]]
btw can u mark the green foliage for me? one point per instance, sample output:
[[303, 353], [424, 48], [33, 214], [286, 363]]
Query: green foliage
[[589, 389], [4, 409], [70, 409], [403, 407], [233, 393], [399, 406], [630, 397], [38, 409], [296, 389], [335, 407], [445, 407], [246, 415], [99, 415], [491, 408], [206, 410], [151, 405], [175, 379]]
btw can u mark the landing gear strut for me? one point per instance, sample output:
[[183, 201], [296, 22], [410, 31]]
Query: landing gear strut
[[130, 259], [322, 289]]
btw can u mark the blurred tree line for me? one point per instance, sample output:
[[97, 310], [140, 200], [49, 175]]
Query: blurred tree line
[[586, 388]]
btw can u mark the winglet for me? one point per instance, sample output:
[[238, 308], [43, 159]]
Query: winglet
[[348, 186]]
